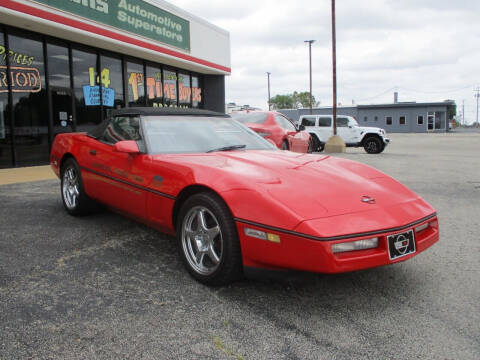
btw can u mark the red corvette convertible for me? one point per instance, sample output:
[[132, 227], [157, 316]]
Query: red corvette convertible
[[277, 128], [234, 201]]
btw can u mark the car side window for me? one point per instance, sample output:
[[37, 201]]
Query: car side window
[[122, 128], [324, 122], [284, 123], [342, 122], [308, 121]]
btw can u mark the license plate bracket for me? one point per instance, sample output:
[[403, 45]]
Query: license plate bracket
[[401, 244]]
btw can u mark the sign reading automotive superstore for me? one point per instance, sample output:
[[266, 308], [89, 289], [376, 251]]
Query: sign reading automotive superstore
[[135, 16]]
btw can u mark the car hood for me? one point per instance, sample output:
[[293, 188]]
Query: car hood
[[370, 129], [307, 186]]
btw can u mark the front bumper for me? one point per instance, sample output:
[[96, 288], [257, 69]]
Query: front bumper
[[386, 141], [297, 252]]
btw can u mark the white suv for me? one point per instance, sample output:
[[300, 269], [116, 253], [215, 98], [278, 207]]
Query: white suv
[[374, 140]]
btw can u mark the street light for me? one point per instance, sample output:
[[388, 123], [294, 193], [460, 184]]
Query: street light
[[268, 77], [310, 62]]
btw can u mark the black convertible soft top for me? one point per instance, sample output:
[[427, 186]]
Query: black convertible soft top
[[155, 111]]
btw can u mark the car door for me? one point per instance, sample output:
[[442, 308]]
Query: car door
[[295, 138], [325, 128], [344, 131], [118, 179]]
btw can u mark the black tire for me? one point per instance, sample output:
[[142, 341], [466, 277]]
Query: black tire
[[311, 145], [211, 258], [75, 201], [373, 145], [321, 147], [285, 145]]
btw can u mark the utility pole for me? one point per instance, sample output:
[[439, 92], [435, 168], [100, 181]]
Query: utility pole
[[334, 63], [268, 79], [477, 95], [335, 144], [463, 112], [310, 64]]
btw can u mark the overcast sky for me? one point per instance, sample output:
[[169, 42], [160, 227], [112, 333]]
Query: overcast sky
[[429, 50]]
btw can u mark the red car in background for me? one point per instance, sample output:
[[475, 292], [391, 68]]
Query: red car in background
[[277, 128]]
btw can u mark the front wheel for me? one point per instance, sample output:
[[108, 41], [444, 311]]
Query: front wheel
[[373, 145], [208, 241]]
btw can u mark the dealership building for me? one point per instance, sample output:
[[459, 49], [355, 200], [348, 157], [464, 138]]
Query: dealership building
[[396, 117], [64, 64]]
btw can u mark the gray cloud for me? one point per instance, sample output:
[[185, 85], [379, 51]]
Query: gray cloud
[[428, 49]]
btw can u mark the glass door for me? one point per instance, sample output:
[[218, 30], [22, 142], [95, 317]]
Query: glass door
[[431, 121], [62, 110]]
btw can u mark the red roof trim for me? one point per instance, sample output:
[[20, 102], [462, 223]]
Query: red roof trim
[[30, 10]]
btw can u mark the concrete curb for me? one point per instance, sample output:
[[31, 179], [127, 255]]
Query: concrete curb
[[26, 174]]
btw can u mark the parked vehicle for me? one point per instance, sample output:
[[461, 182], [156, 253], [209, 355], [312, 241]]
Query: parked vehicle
[[234, 200], [372, 139], [276, 127]]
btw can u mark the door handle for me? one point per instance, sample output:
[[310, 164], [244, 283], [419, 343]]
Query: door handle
[[93, 152]]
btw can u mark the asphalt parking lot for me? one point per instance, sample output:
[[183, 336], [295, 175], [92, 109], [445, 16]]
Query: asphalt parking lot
[[103, 287]]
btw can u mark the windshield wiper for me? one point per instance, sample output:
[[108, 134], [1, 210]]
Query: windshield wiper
[[227, 148]]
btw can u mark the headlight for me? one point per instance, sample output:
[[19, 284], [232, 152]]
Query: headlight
[[355, 245], [421, 227]]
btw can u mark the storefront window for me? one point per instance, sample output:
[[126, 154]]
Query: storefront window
[[136, 84], [58, 66], [184, 90], [87, 93], [170, 88], [196, 92], [154, 86], [30, 105], [5, 134], [112, 82]]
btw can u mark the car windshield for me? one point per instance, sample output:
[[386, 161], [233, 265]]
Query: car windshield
[[251, 118], [198, 134]]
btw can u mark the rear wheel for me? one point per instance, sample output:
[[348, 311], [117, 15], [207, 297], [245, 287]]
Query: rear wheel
[[317, 145], [373, 145], [208, 241], [311, 145], [74, 199], [285, 145]]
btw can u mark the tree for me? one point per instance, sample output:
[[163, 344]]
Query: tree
[[293, 101], [282, 102], [302, 100]]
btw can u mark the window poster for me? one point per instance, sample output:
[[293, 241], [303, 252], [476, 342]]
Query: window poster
[[91, 92]]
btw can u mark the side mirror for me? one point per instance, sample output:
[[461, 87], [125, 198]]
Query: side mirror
[[127, 147], [301, 127]]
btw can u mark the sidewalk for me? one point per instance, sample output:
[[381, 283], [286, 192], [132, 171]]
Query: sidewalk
[[26, 174]]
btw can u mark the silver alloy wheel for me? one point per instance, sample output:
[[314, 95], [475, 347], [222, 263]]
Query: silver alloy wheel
[[70, 187], [202, 240]]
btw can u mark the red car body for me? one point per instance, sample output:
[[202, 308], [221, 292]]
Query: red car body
[[305, 203], [277, 128]]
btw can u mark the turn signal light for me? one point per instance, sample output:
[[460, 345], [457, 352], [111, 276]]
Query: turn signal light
[[355, 245], [262, 235]]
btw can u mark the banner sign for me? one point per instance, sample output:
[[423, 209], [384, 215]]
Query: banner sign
[[135, 16], [92, 95]]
